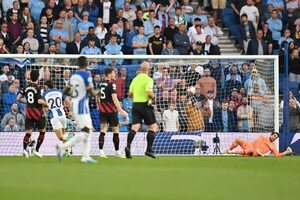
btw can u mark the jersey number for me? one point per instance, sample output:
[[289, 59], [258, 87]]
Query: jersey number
[[30, 97], [103, 96], [74, 91], [54, 103]]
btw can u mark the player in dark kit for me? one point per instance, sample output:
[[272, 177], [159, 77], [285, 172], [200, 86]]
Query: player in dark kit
[[34, 112], [108, 106]]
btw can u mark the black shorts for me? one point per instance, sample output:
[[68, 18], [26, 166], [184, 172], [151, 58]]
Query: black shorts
[[39, 124], [142, 111], [110, 118]]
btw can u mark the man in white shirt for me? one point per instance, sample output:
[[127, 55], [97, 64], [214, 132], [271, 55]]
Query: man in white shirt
[[170, 119], [199, 36], [213, 30], [251, 11]]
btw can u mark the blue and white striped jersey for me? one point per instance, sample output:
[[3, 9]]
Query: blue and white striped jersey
[[54, 99]]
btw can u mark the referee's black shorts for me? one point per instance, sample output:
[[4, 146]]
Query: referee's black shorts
[[142, 111]]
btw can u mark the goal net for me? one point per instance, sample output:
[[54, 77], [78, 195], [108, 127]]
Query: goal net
[[197, 99]]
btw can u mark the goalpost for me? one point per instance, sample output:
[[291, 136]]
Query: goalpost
[[176, 85]]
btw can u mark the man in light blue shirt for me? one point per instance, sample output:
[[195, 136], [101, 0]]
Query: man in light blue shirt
[[286, 37], [150, 24], [91, 49], [113, 48], [275, 25], [83, 26], [60, 36], [140, 43]]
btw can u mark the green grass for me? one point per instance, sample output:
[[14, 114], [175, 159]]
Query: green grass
[[176, 178]]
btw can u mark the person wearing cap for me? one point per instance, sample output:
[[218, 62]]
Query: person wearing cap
[[150, 24], [198, 50], [84, 25], [156, 42], [254, 78], [198, 36], [91, 49]]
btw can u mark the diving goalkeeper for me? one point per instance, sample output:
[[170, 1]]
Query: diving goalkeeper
[[259, 147]]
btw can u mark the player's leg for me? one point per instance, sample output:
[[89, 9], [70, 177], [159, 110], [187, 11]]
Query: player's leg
[[136, 124], [150, 120], [114, 123], [41, 126], [245, 147], [58, 125], [28, 128], [103, 131]]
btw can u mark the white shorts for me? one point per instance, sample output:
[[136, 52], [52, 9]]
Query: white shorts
[[59, 122], [83, 120]]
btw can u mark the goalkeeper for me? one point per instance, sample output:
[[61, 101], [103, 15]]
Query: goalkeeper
[[259, 147]]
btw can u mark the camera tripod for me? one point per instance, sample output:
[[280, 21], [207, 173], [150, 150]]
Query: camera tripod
[[216, 142]]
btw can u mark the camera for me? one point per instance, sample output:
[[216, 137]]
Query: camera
[[216, 140]]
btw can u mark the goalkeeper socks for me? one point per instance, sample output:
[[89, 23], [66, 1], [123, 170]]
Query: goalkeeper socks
[[116, 141], [40, 140], [130, 137], [150, 140], [26, 140], [101, 140], [74, 140], [86, 145]]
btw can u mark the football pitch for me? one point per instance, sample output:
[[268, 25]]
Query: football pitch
[[176, 178]]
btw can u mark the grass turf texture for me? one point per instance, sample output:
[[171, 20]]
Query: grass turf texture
[[143, 178]]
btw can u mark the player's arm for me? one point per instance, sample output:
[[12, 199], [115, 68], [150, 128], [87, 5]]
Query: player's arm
[[21, 99], [93, 92], [67, 90], [117, 104], [42, 102], [277, 154]]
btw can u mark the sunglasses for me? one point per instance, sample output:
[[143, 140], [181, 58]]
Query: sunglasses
[[254, 72]]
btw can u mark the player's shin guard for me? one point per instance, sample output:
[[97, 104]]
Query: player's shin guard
[[101, 140], [40, 140], [130, 137], [116, 141], [150, 140], [26, 140]]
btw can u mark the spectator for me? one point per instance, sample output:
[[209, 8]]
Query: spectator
[[156, 42], [119, 16], [91, 49], [231, 84], [120, 30], [129, 14], [163, 17], [294, 63], [113, 31], [209, 48], [11, 126], [49, 15], [278, 5], [267, 14], [247, 31], [84, 25], [198, 36], [265, 114], [194, 117], [93, 11], [216, 5], [14, 114], [26, 48], [59, 36], [5, 84], [227, 119], [170, 119], [233, 70], [164, 83], [150, 24], [15, 28], [14, 10], [26, 17], [294, 116], [50, 7], [3, 48], [198, 96], [91, 35], [245, 116], [181, 41], [245, 73], [130, 32], [211, 123], [213, 30], [171, 30], [107, 12], [43, 30], [139, 21], [275, 25], [9, 98], [34, 43], [75, 46], [80, 8], [74, 21], [257, 46], [127, 106], [286, 37], [35, 8], [140, 43], [179, 17], [192, 76], [100, 30], [163, 101], [5, 73], [123, 122], [182, 87], [251, 11], [145, 5], [112, 48], [169, 50], [255, 79], [290, 7], [6, 36], [207, 83], [237, 5], [198, 49]]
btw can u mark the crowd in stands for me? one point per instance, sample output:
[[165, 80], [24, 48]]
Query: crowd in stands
[[227, 98]]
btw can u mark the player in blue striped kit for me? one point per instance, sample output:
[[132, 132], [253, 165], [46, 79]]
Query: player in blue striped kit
[[81, 86], [56, 113]]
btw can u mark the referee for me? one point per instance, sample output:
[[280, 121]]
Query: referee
[[141, 89]]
